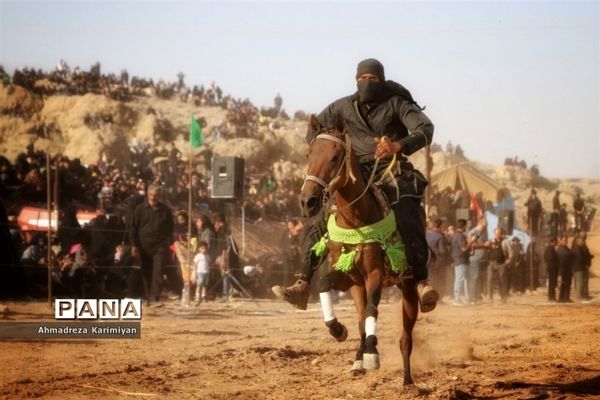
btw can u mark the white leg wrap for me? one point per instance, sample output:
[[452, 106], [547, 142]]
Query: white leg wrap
[[327, 306], [370, 326]]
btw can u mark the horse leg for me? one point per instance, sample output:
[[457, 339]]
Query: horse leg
[[374, 288], [360, 301], [324, 285], [410, 310]]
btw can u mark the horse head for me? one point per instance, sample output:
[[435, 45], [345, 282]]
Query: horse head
[[327, 155]]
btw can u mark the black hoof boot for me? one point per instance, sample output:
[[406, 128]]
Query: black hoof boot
[[337, 330]]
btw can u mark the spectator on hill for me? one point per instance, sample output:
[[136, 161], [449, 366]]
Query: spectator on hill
[[534, 212], [579, 208]]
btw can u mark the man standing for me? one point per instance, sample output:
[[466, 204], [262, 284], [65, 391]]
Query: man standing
[[498, 260], [582, 261], [460, 255], [534, 211], [551, 261], [565, 268], [579, 208], [477, 260], [438, 245], [382, 119], [150, 236]]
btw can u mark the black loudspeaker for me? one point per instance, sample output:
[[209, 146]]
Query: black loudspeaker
[[227, 178], [506, 221]]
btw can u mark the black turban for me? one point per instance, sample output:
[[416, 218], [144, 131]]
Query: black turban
[[371, 66]]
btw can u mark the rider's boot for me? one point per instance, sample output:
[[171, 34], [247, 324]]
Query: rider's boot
[[297, 294], [428, 296]]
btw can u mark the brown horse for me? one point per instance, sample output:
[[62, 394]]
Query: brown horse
[[333, 168]]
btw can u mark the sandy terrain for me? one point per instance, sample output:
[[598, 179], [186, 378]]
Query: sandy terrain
[[526, 349]]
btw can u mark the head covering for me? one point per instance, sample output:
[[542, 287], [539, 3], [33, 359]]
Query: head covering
[[371, 66]]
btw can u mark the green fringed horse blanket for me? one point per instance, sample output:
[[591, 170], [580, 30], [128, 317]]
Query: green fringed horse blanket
[[381, 232]]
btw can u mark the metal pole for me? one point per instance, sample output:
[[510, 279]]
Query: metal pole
[[243, 229], [49, 210]]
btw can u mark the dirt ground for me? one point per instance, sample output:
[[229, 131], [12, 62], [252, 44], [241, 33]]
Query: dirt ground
[[243, 349]]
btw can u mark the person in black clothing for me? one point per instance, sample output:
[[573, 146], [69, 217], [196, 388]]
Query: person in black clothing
[[150, 236], [556, 202], [579, 208], [551, 261], [582, 261], [498, 263], [380, 108], [534, 211], [565, 269]]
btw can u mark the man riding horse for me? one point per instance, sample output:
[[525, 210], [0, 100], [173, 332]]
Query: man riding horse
[[382, 120]]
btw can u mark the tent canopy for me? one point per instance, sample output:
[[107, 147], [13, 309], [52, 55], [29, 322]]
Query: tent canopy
[[465, 176]]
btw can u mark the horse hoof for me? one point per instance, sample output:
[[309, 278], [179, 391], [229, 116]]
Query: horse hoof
[[339, 332], [357, 368], [344, 335], [370, 361]]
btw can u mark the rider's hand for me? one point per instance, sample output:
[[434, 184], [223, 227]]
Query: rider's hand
[[386, 148]]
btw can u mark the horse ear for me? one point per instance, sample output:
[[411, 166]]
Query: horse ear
[[313, 124], [340, 124]]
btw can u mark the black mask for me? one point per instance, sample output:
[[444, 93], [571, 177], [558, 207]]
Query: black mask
[[370, 91]]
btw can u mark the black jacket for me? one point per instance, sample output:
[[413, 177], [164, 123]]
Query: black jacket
[[151, 228], [565, 259], [582, 259], [399, 119], [551, 258]]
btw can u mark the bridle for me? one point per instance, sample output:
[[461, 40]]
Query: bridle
[[347, 145], [336, 177]]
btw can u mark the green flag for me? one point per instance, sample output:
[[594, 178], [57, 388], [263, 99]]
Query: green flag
[[195, 133]]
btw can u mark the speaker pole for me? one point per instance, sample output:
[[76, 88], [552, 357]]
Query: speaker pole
[[243, 229]]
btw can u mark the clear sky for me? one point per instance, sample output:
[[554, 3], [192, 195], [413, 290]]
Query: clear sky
[[500, 78]]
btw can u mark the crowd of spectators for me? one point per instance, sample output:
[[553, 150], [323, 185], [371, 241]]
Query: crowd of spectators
[[96, 258], [460, 268], [242, 120]]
